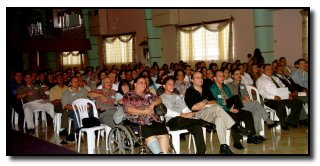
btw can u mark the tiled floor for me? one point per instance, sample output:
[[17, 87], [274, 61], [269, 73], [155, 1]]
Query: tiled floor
[[294, 141]]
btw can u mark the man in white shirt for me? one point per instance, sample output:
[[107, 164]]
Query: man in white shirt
[[179, 116], [268, 88], [245, 77]]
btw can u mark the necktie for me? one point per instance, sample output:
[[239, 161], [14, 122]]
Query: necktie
[[291, 87], [275, 82], [239, 91], [285, 79]]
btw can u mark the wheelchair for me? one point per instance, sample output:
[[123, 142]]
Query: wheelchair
[[126, 138]]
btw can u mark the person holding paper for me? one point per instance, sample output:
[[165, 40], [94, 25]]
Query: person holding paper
[[268, 88], [222, 93]]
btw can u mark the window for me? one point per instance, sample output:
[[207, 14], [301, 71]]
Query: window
[[205, 42], [70, 18], [35, 29], [71, 59], [119, 49]]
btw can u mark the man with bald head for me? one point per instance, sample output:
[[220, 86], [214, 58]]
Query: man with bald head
[[105, 99]]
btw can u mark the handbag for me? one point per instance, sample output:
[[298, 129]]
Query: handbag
[[236, 101], [90, 122]]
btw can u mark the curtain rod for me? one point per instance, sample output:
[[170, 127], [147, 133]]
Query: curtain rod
[[119, 34], [209, 22]]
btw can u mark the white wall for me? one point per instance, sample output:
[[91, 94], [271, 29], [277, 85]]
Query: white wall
[[287, 34]]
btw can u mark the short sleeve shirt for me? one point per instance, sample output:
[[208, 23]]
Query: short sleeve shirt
[[69, 96], [108, 105], [133, 100], [37, 92]]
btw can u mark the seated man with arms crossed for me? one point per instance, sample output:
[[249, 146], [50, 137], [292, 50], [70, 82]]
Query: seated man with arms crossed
[[105, 99], [34, 99]]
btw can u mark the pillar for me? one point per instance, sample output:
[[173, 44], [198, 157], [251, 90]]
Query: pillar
[[263, 31], [154, 39], [93, 58]]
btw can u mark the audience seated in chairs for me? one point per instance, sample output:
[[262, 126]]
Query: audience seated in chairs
[[268, 88], [201, 102], [294, 89], [257, 110], [64, 103], [34, 99], [221, 92], [141, 103]]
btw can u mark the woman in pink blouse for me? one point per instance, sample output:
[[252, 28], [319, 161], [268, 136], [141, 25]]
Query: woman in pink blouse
[[140, 102]]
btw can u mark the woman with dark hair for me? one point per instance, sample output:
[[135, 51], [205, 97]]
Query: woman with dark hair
[[180, 84], [122, 75], [228, 66], [223, 65], [255, 72], [257, 57], [101, 75], [226, 75], [139, 102], [123, 88], [151, 87], [161, 78]]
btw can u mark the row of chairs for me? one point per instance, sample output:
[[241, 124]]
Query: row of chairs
[[81, 106]]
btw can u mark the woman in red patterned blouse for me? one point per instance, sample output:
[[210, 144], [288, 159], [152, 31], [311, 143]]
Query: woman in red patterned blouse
[[141, 103]]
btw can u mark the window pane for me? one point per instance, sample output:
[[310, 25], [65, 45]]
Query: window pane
[[119, 52], [203, 44], [71, 59]]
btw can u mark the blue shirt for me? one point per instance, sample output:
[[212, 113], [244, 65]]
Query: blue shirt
[[300, 77]]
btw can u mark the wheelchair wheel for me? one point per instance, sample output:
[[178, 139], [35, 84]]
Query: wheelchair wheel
[[120, 141]]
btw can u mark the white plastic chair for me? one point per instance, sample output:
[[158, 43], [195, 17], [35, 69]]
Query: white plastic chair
[[273, 115], [204, 130], [249, 89], [14, 117], [57, 122], [175, 137], [228, 133], [81, 106], [36, 116]]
